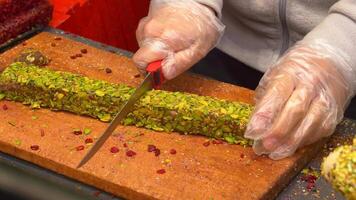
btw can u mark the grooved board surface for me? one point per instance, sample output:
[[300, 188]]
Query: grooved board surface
[[217, 171]]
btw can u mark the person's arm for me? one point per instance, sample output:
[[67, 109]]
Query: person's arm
[[303, 96], [338, 31], [215, 5], [178, 32]]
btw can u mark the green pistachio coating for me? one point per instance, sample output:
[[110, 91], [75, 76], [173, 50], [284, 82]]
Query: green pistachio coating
[[157, 110], [340, 169]]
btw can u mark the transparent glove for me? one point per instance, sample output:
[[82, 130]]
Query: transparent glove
[[179, 32], [300, 100]]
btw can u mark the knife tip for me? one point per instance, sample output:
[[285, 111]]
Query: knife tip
[[80, 164]]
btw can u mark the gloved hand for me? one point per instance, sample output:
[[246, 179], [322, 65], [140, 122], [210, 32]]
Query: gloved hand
[[179, 32], [300, 100]]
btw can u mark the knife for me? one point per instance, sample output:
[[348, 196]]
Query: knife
[[153, 79]]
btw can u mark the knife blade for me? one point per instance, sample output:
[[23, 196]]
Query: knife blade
[[153, 79]]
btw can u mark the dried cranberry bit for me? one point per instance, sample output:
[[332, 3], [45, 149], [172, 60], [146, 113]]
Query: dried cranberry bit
[[137, 76], [77, 132], [151, 148], [57, 38], [172, 151], [4, 107], [96, 193], [84, 51], [91, 97], [125, 145], [108, 70], [80, 148], [242, 155], [310, 186], [207, 143], [24, 44], [157, 152], [35, 147], [88, 141], [217, 142], [161, 171], [78, 55], [42, 133], [130, 153], [311, 181], [73, 57], [114, 150], [53, 44]]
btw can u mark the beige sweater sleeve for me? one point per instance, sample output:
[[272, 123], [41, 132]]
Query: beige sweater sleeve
[[214, 4], [338, 30]]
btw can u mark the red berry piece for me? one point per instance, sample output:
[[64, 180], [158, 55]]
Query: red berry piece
[[125, 145], [157, 152], [77, 132], [310, 186], [84, 51], [88, 141], [80, 148], [161, 171], [4, 107], [172, 151], [108, 70], [35, 147], [42, 133], [130, 153], [151, 148], [96, 193], [114, 150], [206, 144], [217, 142]]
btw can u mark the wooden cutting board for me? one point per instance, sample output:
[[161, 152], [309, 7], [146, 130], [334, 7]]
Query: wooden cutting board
[[196, 171]]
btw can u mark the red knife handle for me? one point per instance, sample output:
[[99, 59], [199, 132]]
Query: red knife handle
[[156, 69]]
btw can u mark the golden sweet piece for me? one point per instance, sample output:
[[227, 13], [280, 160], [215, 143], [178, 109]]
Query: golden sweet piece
[[339, 168], [157, 110]]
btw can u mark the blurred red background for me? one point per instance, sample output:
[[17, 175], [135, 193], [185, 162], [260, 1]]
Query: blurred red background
[[111, 22]]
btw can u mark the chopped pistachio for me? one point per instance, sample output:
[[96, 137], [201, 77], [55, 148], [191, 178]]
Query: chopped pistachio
[[87, 131], [310, 171], [230, 139], [35, 105], [17, 142], [2, 96], [34, 117], [100, 93], [166, 161], [104, 117]]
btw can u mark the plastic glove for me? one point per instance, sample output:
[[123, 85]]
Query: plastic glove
[[179, 32], [300, 100]]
